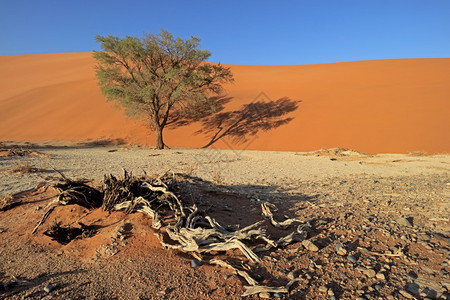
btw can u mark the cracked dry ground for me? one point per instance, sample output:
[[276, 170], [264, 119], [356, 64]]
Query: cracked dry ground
[[370, 238]]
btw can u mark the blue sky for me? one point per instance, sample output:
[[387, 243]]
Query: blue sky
[[238, 32]]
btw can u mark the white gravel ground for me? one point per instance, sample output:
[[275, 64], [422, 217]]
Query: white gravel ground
[[227, 167]]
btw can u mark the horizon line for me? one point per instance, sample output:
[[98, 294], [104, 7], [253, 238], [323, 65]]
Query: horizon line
[[237, 64]]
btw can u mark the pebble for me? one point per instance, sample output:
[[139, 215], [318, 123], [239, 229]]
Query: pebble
[[381, 276], [278, 295], [323, 289], [351, 258], [310, 246], [369, 273], [264, 295], [412, 275], [406, 294], [378, 287], [291, 275], [340, 250], [195, 263], [49, 288], [405, 221]]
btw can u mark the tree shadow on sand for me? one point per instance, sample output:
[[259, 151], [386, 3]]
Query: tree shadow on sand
[[248, 120], [185, 115]]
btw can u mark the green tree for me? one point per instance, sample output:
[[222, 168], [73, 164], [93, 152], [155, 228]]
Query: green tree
[[163, 79]]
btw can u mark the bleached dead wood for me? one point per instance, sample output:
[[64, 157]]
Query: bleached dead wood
[[256, 289], [189, 229], [269, 215], [241, 273]]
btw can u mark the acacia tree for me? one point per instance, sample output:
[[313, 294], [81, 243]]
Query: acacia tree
[[160, 78]]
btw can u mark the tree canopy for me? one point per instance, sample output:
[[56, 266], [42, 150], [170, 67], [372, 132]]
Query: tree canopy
[[160, 78]]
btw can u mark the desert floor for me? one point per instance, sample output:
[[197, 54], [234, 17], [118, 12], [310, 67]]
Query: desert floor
[[379, 224]]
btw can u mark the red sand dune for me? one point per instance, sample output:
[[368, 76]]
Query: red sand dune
[[371, 106]]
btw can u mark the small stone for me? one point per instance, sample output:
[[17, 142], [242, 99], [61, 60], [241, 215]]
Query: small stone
[[332, 298], [49, 288], [351, 258], [369, 273], [291, 251], [310, 246], [278, 295], [330, 292], [406, 294], [381, 276], [340, 249], [264, 295], [323, 289], [195, 263], [378, 287], [405, 221], [412, 275], [291, 275]]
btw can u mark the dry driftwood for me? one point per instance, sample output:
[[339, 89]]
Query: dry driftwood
[[253, 287], [241, 273], [398, 253], [256, 289], [269, 215], [72, 192], [190, 229]]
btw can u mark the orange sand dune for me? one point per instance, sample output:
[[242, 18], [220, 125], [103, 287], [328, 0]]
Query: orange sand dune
[[371, 106]]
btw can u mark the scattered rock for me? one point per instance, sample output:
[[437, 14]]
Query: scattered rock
[[405, 221], [406, 294], [323, 289], [351, 258], [195, 263], [278, 295], [49, 288], [340, 250], [370, 273], [412, 275], [310, 246], [264, 295], [291, 275], [424, 237]]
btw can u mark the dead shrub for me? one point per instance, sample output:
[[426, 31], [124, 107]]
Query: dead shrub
[[5, 202], [25, 167], [20, 152]]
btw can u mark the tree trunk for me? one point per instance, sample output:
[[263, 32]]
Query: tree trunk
[[159, 138]]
